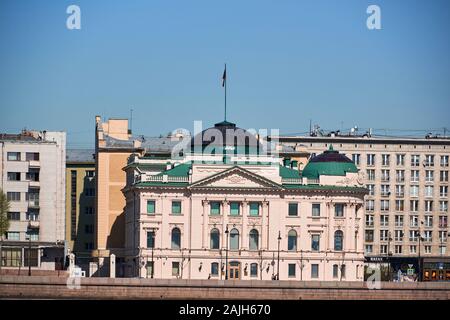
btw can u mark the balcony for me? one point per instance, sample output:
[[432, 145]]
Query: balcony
[[33, 204], [34, 164]]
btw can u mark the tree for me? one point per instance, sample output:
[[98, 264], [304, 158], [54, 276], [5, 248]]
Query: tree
[[4, 222]]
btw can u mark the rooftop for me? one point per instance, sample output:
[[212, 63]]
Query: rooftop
[[80, 155]]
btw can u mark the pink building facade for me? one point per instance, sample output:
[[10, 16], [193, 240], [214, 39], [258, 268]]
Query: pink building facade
[[246, 216]]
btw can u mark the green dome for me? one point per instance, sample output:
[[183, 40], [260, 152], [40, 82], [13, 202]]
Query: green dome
[[329, 163]]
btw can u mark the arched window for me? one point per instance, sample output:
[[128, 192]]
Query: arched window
[[176, 238], [335, 271], [234, 239], [338, 237], [215, 239], [253, 239], [292, 240]]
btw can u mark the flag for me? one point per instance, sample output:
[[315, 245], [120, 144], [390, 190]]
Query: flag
[[224, 77]]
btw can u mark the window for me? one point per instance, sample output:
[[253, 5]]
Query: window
[[343, 271], [370, 159], [414, 175], [12, 235], [399, 205], [385, 190], [215, 239], [32, 215], [398, 221], [90, 173], [339, 210], [32, 156], [176, 207], [369, 249], [13, 196], [442, 221], [11, 257], [443, 191], [428, 236], [400, 175], [414, 205], [316, 209], [151, 206], [369, 236], [415, 160], [235, 208], [370, 205], [443, 176], [398, 235], [89, 192], [356, 158], [293, 209], [291, 270], [443, 206], [253, 270], [442, 236], [335, 271], [13, 156], [385, 175], [214, 269], [314, 271], [414, 191], [253, 243], [385, 160], [413, 235], [369, 220], [444, 161], [371, 188], [400, 191], [400, 159], [338, 240], [383, 249], [13, 176], [384, 235], [398, 249], [88, 246], [429, 176], [13, 215], [370, 174], [175, 269], [427, 249], [429, 221], [234, 239], [292, 240], [214, 208], [150, 239], [384, 205], [254, 208], [428, 206], [89, 228], [89, 210], [149, 267], [315, 242], [414, 221], [384, 220], [429, 160], [176, 238]]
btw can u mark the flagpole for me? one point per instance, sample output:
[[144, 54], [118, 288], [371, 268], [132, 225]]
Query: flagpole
[[225, 82]]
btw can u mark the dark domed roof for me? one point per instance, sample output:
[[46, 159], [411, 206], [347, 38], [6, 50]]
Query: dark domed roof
[[225, 136], [330, 163]]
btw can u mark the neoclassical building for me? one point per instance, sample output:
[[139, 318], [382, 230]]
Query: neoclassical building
[[225, 208]]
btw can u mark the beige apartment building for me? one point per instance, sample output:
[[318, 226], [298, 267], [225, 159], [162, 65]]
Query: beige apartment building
[[408, 184]]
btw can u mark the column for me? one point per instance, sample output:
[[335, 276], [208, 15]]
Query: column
[[265, 225], [245, 229]]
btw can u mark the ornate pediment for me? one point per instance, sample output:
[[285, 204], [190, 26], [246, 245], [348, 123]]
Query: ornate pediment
[[236, 177]]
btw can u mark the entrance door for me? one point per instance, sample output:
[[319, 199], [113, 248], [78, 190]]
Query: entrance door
[[234, 270]]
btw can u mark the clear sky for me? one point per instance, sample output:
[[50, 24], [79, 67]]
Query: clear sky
[[287, 62]]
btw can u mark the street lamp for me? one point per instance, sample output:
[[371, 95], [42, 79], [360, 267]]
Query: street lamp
[[226, 254], [419, 263], [278, 259]]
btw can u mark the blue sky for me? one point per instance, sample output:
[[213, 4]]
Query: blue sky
[[287, 62]]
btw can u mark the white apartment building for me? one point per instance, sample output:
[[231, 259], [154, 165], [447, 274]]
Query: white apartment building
[[33, 178], [408, 196]]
